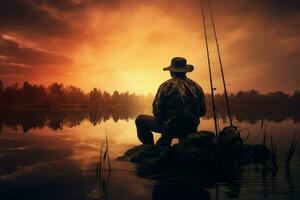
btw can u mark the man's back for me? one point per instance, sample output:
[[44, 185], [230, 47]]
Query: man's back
[[177, 107], [178, 99]]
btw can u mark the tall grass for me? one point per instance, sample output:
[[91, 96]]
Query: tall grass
[[100, 172], [289, 155], [99, 164], [275, 159], [106, 153], [274, 155], [263, 127], [265, 162], [103, 156], [273, 163]]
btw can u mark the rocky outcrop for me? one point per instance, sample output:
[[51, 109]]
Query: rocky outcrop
[[201, 150]]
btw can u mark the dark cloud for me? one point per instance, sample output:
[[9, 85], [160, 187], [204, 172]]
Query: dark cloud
[[77, 6], [284, 7], [66, 5], [13, 69], [22, 16], [15, 53], [274, 8]]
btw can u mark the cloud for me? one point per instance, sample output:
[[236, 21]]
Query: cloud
[[21, 16], [19, 63], [259, 41], [12, 69], [16, 53]]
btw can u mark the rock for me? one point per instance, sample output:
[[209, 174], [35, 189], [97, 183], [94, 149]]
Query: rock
[[201, 139], [197, 148], [142, 153], [201, 150], [229, 141]]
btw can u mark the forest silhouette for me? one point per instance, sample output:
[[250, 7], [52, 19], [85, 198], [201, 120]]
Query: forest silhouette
[[33, 106], [57, 94]]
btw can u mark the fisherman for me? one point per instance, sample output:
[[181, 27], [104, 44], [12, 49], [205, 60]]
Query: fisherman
[[177, 107]]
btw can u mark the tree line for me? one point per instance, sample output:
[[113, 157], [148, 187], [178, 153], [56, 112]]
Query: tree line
[[57, 94], [254, 99]]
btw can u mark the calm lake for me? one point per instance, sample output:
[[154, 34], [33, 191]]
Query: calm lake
[[53, 155]]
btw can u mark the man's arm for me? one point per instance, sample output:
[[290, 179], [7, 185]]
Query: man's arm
[[157, 104], [201, 102]]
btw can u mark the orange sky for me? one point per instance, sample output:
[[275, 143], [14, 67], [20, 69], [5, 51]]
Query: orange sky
[[123, 44]]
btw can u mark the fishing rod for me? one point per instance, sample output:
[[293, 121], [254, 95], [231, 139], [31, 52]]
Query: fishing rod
[[220, 62], [209, 69]]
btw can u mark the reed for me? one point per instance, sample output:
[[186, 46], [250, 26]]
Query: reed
[[274, 155], [107, 151], [262, 124], [100, 157], [100, 172], [289, 155], [263, 127]]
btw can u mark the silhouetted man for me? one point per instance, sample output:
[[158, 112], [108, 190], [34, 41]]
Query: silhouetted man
[[177, 107]]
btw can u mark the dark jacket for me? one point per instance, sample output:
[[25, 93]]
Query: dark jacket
[[179, 100]]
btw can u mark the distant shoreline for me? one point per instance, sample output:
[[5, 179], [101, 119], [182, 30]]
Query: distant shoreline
[[88, 107], [65, 106]]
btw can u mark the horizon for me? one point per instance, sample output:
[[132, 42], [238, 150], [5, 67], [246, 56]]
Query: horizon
[[20, 86], [123, 45]]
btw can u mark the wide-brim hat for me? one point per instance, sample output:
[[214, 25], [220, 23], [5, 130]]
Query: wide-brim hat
[[178, 64]]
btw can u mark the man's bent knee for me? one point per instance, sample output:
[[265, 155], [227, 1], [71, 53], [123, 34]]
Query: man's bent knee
[[139, 119]]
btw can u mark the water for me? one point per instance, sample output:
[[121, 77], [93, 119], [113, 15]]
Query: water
[[53, 155]]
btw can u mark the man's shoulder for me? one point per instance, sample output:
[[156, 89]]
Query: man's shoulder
[[195, 84], [192, 82], [166, 83]]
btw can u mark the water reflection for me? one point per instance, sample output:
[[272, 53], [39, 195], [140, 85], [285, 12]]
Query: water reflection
[[178, 190], [250, 183], [176, 184], [56, 120], [43, 165], [253, 116]]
